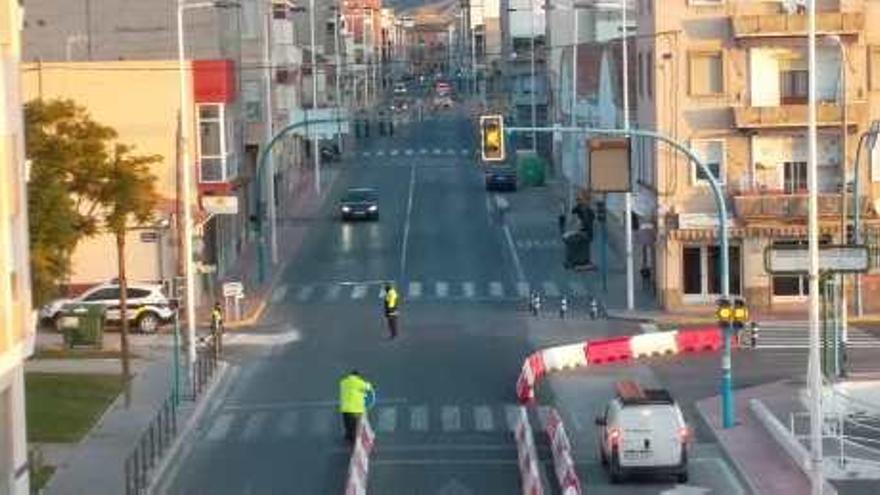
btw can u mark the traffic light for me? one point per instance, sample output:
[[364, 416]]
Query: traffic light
[[492, 138], [740, 314], [724, 313], [732, 312]]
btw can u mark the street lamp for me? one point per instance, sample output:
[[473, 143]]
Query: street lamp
[[188, 268], [869, 140]]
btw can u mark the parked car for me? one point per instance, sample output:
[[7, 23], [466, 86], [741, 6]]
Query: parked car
[[500, 179], [147, 305], [359, 203], [643, 431], [330, 152]]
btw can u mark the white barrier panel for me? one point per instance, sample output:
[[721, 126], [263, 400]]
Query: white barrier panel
[[653, 344], [563, 464], [564, 357], [359, 465], [527, 455]]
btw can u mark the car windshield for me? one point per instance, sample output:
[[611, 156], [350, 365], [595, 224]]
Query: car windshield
[[360, 195]]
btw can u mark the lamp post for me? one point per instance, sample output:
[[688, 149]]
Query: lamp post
[[185, 163], [316, 153], [868, 139], [627, 197], [534, 104]]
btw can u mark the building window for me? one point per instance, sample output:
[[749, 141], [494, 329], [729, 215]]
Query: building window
[[706, 73], [701, 271], [793, 86], [711, 151], [791, 285], [794, 177], [212, 143]]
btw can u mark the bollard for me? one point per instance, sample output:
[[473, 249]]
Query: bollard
[[594, 308], [754, 334], [563, 307]]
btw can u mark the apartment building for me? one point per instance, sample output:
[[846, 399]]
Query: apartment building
[[729, 80], [17, 319]]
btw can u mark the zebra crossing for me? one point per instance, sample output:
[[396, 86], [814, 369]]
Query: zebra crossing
[[796, 335], [531, 244], [438, 290], [432, 151], [244, 425]]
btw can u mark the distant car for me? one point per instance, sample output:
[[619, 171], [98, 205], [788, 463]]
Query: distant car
[[359, 203], [643, 431], [501, 179], [399, 105], [147, 306], [400, 89], [443, 102]]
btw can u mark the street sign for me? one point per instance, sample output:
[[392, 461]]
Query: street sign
[[608, 165], [795, 260], [220, 205], [233, 289]]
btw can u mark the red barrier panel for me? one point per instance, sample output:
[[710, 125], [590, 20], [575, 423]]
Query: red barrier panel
[[699, 339], [608, 350], [537, 364], [532, 371]]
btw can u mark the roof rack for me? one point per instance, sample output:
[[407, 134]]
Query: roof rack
[[631, 393]]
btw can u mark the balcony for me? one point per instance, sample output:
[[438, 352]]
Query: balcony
[[782, 25], [796, 115], [753, 206]]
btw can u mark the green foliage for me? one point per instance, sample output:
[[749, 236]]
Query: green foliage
[[64, 407], [82, 182]]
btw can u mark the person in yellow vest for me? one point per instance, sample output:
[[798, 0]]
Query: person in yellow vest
[[392, 303], [355, 395]]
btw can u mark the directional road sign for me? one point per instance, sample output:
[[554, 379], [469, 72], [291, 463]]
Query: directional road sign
[[795, 260]]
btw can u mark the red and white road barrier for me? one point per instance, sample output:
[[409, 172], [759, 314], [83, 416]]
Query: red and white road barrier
[[527, 455], [359, 465], [563, 464], [608, 350]]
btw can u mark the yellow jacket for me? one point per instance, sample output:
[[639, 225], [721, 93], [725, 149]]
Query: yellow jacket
[[391, 301], [353, 393]]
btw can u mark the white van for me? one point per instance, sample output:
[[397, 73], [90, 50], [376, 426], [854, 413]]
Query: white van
[[643, 431]]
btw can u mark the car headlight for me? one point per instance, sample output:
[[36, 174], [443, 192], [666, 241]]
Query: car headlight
[[372, 208], [346, 209]]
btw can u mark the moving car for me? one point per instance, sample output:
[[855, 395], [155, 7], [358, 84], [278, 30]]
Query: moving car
[[643, 431], [501, 179], [147, 306], [359, 203], [400, 89]]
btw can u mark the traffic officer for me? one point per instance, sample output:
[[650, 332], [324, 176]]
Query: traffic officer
[[217, 328], [392, 302], [353, 394]]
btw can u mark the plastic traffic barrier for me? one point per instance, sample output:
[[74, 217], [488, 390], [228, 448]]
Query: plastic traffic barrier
[[564, 357], [653, 344], [699, 339], [532, 371], [608, 350], [563, 464], [527, 455], [359, 464]]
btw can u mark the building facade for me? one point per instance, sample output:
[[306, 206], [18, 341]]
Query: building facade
[[17, 319]]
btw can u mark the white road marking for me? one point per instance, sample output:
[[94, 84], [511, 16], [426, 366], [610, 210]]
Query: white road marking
[[520, 275], [253, 425], [511, 415], [288, 423], [522, 289], [380, 153], [450, 417], [305, 293], [423, 151], [279, 293], [333, 292], [464, 151], [394, 152], [444, 462], [304, 404], [496, 289], [408, 152], [550, 289], [415, 290], [418, 418], [359, 292], [437, 151], [387, 419], [409, 206], [442, 289], [221, 427], [483, 418], [469, 289], [366, 153]]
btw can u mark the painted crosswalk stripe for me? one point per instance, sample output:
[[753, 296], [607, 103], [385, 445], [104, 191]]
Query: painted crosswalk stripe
[[279, 293], [436, 151], [468, 289], [511, 415], [305, 293], [464, 151], [442, 289], [387, 419], [253, 425], [394, 152], [415, 290], [450, 151], [221, 427], [418, 418], [522, 289], [483, 419], [288, 423], [550, 289], [577, 288], [322, 421], [333, 293], [359, 292], [408, 152], [380, 153], [496, 289], [450, 418], [366, 153], [423, 151]]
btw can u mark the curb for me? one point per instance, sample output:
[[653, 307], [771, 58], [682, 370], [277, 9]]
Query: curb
[[740, 470], [184, 438]]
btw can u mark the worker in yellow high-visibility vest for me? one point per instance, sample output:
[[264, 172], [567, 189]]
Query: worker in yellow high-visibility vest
[[392, 304], [355, 396]]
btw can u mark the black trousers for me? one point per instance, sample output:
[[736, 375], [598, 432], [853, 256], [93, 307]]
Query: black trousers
[[350, 421], [392, 324]]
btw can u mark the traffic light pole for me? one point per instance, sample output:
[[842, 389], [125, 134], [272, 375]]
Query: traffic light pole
[[723, 235]]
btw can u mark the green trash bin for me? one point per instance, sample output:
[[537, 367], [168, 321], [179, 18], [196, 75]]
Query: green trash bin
[[83, 325], [530, 168]]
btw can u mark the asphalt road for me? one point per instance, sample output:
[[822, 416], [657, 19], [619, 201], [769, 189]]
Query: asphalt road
[[445, 387]]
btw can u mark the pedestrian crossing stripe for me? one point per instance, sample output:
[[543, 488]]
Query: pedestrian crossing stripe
[[415, 290], [380, 153], [522, 288], [359, 292], [550, 289], [410, 152], [393, 152], [795, 335], [468, 289], [442, 289], [496, 289]]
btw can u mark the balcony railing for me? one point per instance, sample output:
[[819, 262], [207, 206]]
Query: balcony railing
[[792, 207], [796, 115], [761, 25]]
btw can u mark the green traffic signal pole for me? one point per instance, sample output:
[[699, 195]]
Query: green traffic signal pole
[[261, 187], [726, 364]]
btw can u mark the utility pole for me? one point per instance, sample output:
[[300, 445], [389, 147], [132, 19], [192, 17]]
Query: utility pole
[[628, 207], [270, 170], [315, 143], [338, 73]]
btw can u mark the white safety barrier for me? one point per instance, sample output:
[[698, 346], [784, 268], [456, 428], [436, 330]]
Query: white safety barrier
[[564, 357], [359, 465], [653, 344], [527, 455], [569, 484]]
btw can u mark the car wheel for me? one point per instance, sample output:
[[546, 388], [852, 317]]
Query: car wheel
[[615, 472], [682, 477], [148, 323]]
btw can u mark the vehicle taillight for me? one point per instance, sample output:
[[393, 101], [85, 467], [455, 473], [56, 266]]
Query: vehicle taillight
[[614, 436], [684, 434]]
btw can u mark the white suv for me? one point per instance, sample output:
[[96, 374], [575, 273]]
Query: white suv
[[643, 431], [147, 305]]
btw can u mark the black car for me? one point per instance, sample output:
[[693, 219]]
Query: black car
[[359, 203], [501, 179]]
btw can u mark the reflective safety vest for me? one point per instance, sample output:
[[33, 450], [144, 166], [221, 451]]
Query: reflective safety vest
[[391, 301], [353, 393]]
